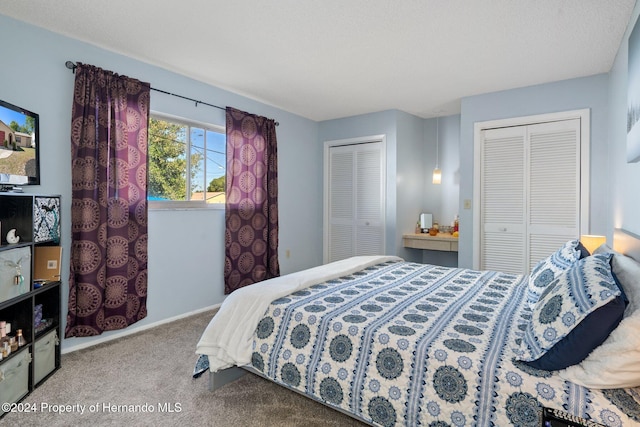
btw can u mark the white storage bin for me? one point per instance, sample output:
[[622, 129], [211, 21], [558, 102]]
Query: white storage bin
[[44, 353], [14, 377], [15, 272]]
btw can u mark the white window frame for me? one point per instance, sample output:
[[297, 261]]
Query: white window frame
[[186, 204]]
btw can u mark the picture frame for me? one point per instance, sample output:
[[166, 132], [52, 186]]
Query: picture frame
[[633, 96]]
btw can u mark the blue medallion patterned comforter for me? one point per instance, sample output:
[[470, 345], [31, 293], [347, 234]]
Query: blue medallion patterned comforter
[[406, 344]]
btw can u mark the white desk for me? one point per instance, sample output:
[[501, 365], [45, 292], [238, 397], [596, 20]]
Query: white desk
[[440, 242]]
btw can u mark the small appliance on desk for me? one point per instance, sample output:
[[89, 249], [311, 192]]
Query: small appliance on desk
[[426, 222]]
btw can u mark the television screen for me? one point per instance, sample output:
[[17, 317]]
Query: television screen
[[19, 146]]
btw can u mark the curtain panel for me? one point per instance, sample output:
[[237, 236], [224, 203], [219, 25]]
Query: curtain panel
[[108, 277], [251, 208]]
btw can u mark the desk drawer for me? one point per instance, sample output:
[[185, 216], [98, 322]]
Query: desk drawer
[[434, 245]]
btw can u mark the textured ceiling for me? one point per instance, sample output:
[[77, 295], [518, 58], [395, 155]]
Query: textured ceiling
[[336, 58]]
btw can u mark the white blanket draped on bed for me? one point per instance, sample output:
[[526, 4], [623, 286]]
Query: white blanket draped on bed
[[228, 338]]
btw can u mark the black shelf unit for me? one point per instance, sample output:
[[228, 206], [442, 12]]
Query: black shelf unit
[[36, 219]]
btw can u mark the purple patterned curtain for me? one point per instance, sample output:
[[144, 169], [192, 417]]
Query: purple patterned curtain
[[251, 235], [108, 279]]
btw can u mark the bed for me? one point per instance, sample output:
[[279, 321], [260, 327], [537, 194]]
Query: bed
[[395, 343]]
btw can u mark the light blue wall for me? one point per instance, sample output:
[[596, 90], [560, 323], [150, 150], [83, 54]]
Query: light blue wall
[[381, 123], [442, 200], [411, 151], [624, 183], [449, 130], [409, 179], [186, 248], [588, 92]]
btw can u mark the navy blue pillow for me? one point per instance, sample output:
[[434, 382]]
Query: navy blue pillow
[[581, 341], [589, 334]]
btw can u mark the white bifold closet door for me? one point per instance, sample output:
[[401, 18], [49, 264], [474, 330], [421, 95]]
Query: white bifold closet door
[[530, 193], [356, 205]]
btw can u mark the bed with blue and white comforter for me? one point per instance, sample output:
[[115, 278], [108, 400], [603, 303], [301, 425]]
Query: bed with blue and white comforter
[[411, 344]]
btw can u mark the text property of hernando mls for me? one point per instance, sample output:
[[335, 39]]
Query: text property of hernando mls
[[102, 407]]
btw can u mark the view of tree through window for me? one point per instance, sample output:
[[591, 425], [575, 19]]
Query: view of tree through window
[[186, 162]]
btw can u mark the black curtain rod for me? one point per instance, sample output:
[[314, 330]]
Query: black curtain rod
[[72, 66]]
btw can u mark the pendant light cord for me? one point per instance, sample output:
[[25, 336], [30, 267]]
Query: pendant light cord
[[437, 141]]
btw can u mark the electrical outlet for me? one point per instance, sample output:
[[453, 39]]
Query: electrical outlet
[[288, 253], [467, 203]]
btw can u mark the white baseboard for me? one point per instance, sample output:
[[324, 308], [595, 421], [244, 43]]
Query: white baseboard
[[125, 333]]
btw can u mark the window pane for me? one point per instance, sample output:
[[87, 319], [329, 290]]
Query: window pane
[[216, 161], [167, 160], [186, 162], [197, 163]]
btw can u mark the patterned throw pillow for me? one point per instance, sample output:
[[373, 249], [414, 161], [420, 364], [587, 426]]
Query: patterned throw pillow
[[549, 268], [574, 315], [614, 364]]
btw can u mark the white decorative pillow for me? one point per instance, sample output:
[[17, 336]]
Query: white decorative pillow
[[575, 314], [547, 269], [615, 363]]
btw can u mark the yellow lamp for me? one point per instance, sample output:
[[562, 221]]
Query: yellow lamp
[[592, 242]]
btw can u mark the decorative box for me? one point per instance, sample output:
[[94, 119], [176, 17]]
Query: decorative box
[[46, 219], [15, 272]]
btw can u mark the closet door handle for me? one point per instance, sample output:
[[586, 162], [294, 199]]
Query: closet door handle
[[502, 229]]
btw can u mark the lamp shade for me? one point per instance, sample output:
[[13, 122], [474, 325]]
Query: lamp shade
[[592, 242], [437, 176]]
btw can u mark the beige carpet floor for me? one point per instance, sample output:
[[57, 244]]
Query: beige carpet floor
[[153, 370]]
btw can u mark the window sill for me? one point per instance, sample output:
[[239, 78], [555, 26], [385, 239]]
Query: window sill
[[182, 206]]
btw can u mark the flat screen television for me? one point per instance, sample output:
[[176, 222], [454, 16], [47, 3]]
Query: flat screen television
[[19, 146]]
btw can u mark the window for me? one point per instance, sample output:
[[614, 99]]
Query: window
[[186, 163]]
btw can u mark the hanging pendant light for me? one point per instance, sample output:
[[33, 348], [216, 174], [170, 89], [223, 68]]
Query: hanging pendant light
[[437, 173]]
